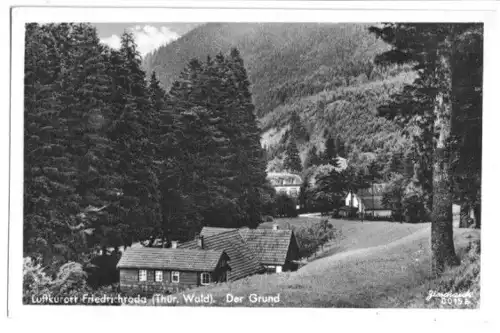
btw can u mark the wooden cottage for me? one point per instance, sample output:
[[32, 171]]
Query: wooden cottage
[[244, 261], [149, 270], [277, 250]]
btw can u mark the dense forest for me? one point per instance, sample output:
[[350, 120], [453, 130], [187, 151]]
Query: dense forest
[[112, 159]]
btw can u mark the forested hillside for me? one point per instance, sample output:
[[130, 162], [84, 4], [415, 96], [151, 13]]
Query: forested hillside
[[284, 61], [324, 73]]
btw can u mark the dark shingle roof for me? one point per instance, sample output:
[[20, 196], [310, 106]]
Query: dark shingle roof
[[270, 246], [243, 261], [210, 231], [373, 203], [178, 259], [376, 189]]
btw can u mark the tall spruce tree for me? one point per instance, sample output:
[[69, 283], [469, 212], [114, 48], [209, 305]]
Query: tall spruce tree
[[340, 147], [50, 197], [312, 158], [292, 161], [252, 163], [133, 123]]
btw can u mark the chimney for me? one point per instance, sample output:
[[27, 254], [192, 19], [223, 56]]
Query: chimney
[[199, 240], [174, 244], [275, 226]]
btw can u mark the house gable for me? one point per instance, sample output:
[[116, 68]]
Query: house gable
[[271, 246], [243, 260]]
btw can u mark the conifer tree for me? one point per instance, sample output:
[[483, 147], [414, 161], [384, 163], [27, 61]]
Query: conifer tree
[[312, 158], [340, 147], [50, 197], [134, 118], [252, 164], [329, 154], [292, 161]]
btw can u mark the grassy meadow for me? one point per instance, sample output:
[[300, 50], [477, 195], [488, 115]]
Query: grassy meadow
[[372, 264]]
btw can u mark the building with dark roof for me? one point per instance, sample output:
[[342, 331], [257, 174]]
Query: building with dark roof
[[150, 270], [216, 255], [243, 261], [277, 250]]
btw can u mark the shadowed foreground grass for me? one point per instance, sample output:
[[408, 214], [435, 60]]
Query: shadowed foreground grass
[[378, 264]]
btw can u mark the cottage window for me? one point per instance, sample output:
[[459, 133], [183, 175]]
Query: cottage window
[[143, 275], [175, 277], [205, 278], [158, 276]]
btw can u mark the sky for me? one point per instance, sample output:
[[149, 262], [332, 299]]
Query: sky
[[148, 36]]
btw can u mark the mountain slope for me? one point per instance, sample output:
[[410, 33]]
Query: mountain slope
[[283, 60], [350, 113], [325, 73]]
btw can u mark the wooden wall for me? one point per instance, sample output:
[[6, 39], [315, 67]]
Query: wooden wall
[[129, 282], [292, 254]]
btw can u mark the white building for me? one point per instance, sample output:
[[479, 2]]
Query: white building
[[284, 182]]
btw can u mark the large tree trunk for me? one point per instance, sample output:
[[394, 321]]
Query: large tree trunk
[[443, 250], [477, 215], [464, 215]]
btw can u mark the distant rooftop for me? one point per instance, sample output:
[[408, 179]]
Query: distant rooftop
[[284, 178]]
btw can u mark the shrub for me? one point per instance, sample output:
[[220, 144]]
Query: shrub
[[414, 209], [313, 237], [102, 271], [268, 218], [285, 206], [35, 281], [69, 281]]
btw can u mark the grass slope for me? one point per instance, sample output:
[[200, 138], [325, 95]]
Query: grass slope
[[378, 264]]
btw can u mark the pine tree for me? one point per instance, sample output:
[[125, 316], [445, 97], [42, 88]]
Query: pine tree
[[329, 154], [157, 93], [340, 147], [292, 161], [312, 158], [207, 151], [131, 132], [50, 197], [297, 129], [253, 164]]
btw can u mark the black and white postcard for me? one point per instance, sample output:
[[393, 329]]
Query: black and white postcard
[[253, 155]]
